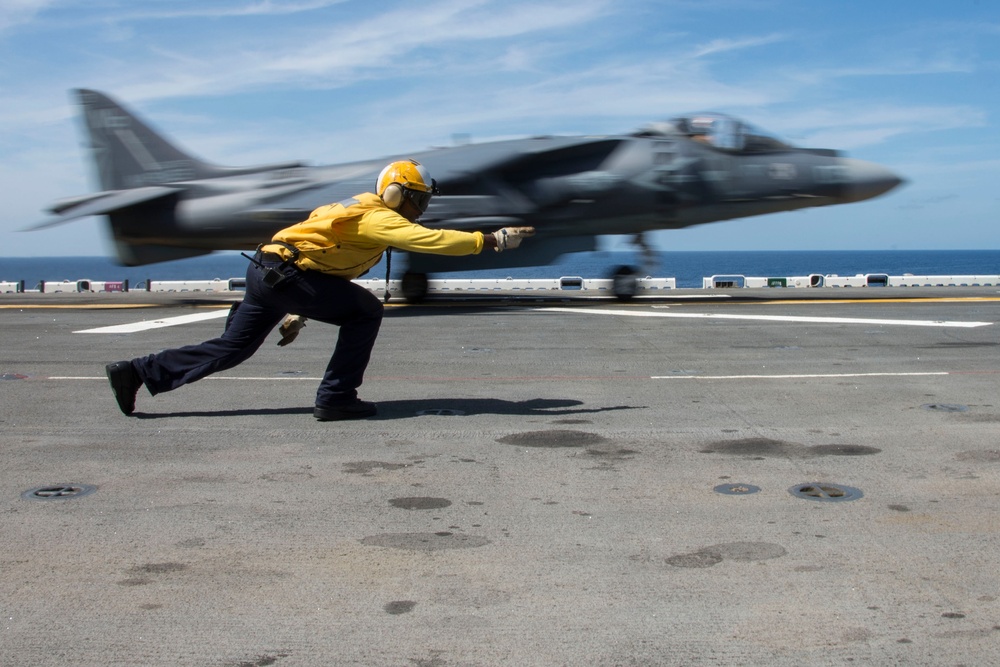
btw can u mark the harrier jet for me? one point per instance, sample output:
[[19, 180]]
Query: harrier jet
[[164, 204]]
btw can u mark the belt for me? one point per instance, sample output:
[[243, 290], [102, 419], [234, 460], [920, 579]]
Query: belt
[[271, 257]]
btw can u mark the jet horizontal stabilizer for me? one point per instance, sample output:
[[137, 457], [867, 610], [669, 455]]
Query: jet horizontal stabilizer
[[101, 203]]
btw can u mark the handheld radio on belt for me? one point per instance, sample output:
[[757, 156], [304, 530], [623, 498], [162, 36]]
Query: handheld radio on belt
[[272, 278]]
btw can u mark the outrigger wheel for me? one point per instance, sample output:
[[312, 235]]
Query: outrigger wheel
[[414, 286], [624, 283]]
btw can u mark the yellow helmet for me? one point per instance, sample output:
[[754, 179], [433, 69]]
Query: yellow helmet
[[405, 179]]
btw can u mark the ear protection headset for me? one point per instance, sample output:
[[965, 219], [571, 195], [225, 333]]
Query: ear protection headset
[[393, 195]]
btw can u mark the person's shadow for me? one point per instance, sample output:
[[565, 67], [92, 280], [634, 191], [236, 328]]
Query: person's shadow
[[407, 409]]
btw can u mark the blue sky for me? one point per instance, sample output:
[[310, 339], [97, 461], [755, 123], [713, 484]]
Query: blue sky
[[910, 84]]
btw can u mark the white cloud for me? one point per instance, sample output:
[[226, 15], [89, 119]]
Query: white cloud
[[727, 45], [17, 12], [131, 12], [851, 124], [396, 42]]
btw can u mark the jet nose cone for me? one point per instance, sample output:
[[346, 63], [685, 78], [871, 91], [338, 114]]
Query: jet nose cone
[[864, 180]]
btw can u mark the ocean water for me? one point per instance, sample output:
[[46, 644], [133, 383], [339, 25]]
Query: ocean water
[[687, 267]]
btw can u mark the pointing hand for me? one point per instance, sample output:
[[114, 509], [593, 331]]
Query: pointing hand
[[511, 237]]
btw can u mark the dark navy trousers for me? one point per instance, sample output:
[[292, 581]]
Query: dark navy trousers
[[311, 294]]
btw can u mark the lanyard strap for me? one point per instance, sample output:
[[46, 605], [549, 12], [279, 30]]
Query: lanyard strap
[[388, 264]]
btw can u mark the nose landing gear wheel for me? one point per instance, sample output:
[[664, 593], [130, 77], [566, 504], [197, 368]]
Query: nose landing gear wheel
[[414, 287], [624, 283]]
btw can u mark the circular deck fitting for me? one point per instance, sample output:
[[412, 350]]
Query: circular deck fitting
[[420, 503], [59, 492], [736, 489], [945, 407], [825, 492], [440, 412]]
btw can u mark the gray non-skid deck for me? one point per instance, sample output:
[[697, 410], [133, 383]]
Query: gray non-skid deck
[[541, 487]]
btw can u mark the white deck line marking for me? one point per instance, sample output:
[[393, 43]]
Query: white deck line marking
[[157, 324], [211, 377], [791, 377], [804, 376], [772, 318]]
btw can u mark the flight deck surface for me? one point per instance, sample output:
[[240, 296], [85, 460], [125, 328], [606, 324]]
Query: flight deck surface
[[767, 476]]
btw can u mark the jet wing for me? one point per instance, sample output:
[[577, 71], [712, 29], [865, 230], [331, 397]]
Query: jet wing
[[297, 207], [101, 203]]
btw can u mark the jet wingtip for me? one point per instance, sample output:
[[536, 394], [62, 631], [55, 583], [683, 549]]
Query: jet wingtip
[[44, 224]]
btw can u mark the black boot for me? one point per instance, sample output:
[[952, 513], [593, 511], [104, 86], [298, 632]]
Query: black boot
[[357, 410], [125, 382]]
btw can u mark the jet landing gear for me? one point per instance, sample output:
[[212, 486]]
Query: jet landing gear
[[414, 286], [625, 279], [624, 283]]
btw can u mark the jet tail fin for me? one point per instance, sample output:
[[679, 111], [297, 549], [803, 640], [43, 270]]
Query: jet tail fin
[[128, 153]]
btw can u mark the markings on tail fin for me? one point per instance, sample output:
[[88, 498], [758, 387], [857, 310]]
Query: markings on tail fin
[[130, 154], [131, 142]]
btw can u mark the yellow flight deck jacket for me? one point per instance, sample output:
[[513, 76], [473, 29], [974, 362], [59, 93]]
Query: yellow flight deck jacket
[[348, 238]]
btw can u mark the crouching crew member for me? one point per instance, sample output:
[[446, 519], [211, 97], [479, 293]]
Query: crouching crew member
[[307, 269]]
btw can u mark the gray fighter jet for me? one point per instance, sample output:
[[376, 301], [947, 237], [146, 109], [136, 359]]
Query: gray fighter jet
[[163, 204]]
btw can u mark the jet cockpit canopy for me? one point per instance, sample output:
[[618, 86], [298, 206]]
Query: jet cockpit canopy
[[719, 131]]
